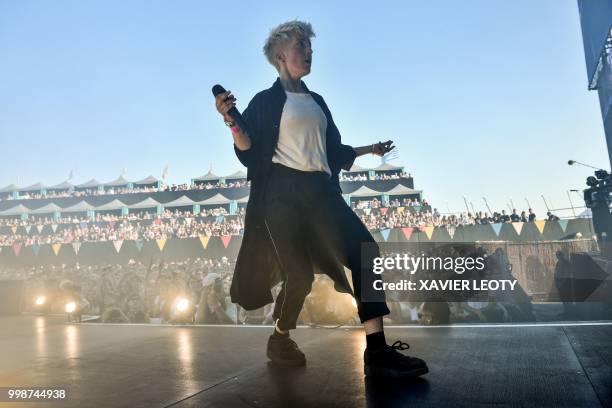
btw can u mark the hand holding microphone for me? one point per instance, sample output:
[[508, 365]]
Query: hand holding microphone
[[225, 103], [226, 106]]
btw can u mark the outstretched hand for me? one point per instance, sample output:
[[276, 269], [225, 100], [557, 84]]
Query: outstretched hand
[[382, 148]]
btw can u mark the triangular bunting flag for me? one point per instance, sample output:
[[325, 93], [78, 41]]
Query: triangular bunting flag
[[35, 249], [496, 227], [563, 224], [39, 228], [139, 244], [204, 240], [161, 242], [383, 210], [518, 227], [118, 245], [77, 247], [407, 231], [451, 230], [540, 224], [56, 248], [54, 227], [226, 239], [28, 228], [429, 231], [385, 233], [16, 249], [13, 229], [399, 210]]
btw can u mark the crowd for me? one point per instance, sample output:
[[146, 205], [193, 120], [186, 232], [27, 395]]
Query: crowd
[[133, 292], [141, 293], [143, 226], [378, 176], [89, 192], [396, 202], [425, 218], [217, 222]]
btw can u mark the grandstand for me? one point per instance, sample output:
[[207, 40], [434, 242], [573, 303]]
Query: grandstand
[[384, 198], [123, 226]]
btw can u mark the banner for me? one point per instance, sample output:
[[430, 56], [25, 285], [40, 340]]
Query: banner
[[407, 233], [540, 224], [204, 240], [518, 227], [385, 233], [118, 245], [496, 227], [161, 242], [429, 231], [226, 240]]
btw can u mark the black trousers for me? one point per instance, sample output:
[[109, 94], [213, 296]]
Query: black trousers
[[306, 205]]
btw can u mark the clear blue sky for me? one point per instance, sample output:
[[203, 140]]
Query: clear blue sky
[[482, 98]]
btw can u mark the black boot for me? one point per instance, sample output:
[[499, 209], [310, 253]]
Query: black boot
[[284, 351], [389, 362]]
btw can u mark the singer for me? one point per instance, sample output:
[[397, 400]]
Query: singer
[[297, 222]]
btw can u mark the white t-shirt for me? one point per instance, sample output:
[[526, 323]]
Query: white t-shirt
[[301, 139]]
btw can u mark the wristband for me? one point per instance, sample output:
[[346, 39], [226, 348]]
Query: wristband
[[235, 129]]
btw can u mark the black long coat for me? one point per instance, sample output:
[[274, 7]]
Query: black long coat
[[257, 268]]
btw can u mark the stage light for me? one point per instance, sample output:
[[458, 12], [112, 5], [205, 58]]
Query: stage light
[[70, 307], [40, 301], [182, 304]]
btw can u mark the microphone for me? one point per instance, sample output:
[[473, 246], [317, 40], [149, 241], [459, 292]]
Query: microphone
[[572, 162], [218, 89]]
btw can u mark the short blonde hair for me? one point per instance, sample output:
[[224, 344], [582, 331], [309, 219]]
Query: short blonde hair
[[281, 34]]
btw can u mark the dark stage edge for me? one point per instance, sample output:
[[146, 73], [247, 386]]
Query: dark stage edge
[[208, 366]]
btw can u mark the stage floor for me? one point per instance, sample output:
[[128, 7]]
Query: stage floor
[[212, 366]]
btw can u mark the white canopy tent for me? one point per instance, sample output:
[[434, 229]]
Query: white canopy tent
[[16, 210], [146, 203], [111, 206], [182, 201], [81, 206], [47, 209], [364, 191]]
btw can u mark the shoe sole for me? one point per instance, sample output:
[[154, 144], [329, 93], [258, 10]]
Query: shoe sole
[[371, 371], [280, 361]]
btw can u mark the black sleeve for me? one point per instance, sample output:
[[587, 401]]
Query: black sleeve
[[346, 153], [247, 157]]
